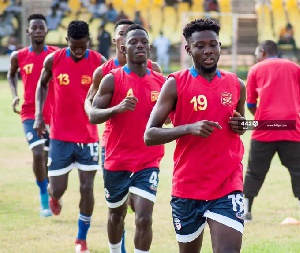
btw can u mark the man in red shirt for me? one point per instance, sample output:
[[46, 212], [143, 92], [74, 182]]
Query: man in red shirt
[[74, 141], [128, 95], [206, 106], [274, 82], [30, 62]]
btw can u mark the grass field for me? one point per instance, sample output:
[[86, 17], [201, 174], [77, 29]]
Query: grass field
[[22, 230]]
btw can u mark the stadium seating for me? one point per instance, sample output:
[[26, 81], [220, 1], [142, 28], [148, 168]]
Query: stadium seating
[[264, 23], [279, 17], [3, 6]]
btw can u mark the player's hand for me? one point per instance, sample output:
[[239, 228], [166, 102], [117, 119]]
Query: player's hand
[[128, 104], [39, 126], [235, 123], [15, 103], [204, 128]]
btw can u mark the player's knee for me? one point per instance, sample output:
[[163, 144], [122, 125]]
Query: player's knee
[[143, 221], [116, 218], [86, 188], [38, 152], [57, 191]]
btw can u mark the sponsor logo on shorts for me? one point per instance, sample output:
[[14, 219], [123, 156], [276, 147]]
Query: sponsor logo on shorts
[[107, 195], [177, 224], [49, 161], [95, 158], [29, 136], [153, 187], [240, 215]]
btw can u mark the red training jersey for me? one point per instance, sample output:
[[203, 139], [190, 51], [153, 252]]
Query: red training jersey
[[72, 81], [125, 147], [30, 65], [274, 86], [207, 168], [106, 68]]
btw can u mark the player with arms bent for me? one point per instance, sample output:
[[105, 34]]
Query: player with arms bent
[[207, 105], [30, 62], [124, 95], [74, 141]]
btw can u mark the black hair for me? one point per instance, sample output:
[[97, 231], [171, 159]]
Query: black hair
[[124, 22], [269, 46], [133, 27], [36, 16], [200, 25], [78, 29]]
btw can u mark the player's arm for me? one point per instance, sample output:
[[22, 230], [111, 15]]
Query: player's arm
[[41, 94], [156, 67], [12, 77], [101, 111], [97, 77], [155, 134], [239, 113]]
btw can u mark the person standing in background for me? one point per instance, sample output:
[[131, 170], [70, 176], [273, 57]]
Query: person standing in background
[[104, 41], [162, 45], [274, 82]]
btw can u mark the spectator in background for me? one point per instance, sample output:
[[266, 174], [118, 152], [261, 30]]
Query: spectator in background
[[6, 25], [111, 14], [54, 18], [104, 41], [162, 45], [211, 5], [62, 6], [12, 45], [138, 18], [286, 36], [121, 16]]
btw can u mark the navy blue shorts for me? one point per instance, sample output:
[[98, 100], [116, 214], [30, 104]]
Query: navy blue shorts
[[189, 215], [117, 185], [64, 156], [32, 137]]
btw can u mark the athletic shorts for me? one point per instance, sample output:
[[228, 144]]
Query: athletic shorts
[[64, 156], [31, 135], [102, 156], [190, 216], [117, 185]]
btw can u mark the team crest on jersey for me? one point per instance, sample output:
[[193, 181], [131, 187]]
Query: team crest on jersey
[[177, 224], [226, 98], [86, 80], [154, 96]]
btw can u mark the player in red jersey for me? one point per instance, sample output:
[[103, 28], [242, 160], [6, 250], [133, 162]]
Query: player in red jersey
[[30, 62], [275, 83], [124, 95], [74, 141], [117, 62], [207, 105]]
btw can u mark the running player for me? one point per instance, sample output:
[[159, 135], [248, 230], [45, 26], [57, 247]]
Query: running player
[[207, 106], [74, 141], [30, 62], [124, 95]]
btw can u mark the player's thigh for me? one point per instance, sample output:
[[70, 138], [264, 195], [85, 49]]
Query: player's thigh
[[260, 156], [116, 187], [60, 157], [87, 156], [31, 135], [144, 183], [188, 220], [193, 246]]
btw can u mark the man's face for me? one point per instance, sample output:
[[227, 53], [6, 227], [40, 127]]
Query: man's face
[[78, 47], [37, 30], [137, 46], [204, 47], [119, 39]]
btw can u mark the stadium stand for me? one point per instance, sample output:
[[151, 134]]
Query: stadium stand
[[264, 21], [279, 16]]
